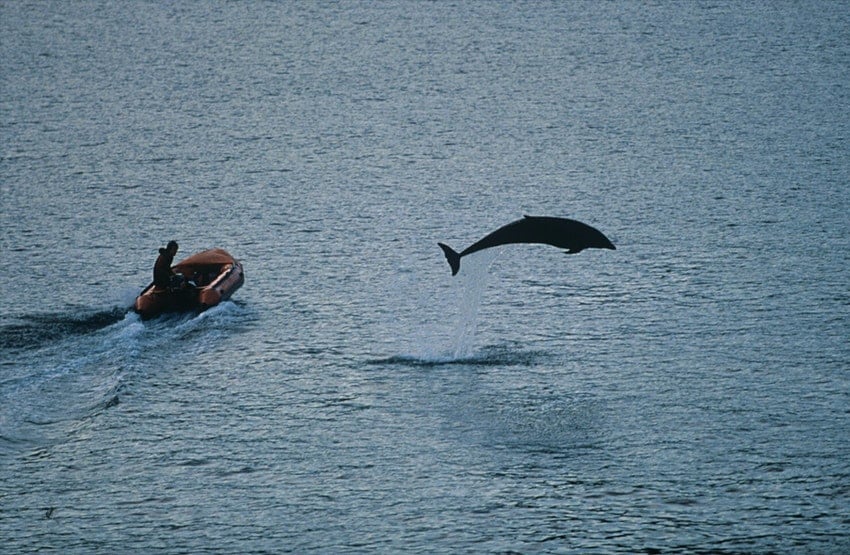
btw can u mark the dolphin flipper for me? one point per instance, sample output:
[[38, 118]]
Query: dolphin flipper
[[452, 256]]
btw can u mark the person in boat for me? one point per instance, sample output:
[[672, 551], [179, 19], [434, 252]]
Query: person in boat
[[163, 276]]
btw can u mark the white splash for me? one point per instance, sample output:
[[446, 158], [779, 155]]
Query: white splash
[[473, 275]]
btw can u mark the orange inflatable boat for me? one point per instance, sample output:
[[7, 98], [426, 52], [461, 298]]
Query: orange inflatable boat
[[209, 277]]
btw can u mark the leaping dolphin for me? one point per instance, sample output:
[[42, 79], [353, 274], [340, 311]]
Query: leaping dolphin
[[563, 233]]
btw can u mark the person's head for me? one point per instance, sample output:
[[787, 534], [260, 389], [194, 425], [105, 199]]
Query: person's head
[[172, 247]]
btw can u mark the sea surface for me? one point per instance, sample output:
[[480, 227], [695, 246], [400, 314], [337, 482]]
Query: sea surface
[[688, 392]]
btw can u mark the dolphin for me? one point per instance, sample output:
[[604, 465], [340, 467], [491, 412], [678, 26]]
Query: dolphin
[[563, 233]]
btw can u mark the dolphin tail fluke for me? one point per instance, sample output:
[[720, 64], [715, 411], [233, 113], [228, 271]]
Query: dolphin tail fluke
[[452, 256]]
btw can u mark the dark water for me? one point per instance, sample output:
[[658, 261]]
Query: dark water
[[687, 392]]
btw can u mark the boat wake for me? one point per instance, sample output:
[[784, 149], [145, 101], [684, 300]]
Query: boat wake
[[59, 371], [41, 329]]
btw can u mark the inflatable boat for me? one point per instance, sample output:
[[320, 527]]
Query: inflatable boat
[[205, 279]]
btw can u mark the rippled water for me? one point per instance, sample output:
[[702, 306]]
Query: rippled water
[[687, 392]]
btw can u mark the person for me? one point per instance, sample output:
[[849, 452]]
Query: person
[[163, 275]]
